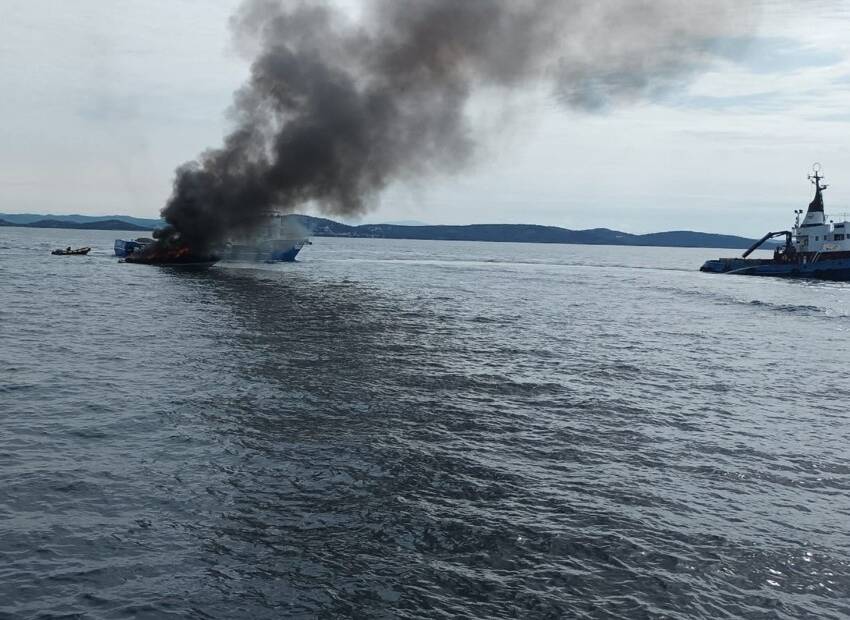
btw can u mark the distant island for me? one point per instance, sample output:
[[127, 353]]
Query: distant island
[[79, 222], [98, 225], [322, 227]]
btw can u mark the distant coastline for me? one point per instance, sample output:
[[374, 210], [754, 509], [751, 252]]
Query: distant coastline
[[79, 222], [99, 225], [322, 227]]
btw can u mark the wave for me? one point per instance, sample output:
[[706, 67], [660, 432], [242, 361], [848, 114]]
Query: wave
[[783, 307]]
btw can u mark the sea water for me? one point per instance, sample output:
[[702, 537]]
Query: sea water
[[420, 429]]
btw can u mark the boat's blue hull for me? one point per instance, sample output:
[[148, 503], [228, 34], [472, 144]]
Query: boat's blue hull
[[837, 270], [286, 256]]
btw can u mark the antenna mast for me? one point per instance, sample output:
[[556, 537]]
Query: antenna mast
[[817, 177]]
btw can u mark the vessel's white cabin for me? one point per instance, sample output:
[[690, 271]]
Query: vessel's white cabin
[[823, 238], [816, 233]]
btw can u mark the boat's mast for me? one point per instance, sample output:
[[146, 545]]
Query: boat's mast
[[816, 178], [814, 215]]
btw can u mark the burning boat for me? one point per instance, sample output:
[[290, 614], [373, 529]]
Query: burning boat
[[274, 239], [816, 247], [183, 257]]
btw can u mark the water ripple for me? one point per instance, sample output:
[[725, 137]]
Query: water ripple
[[394, 429]]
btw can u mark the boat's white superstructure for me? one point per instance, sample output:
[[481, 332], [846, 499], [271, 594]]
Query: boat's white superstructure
[[276, 239], [816, 233]]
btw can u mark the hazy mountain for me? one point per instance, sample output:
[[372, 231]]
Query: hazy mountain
[[522, 233], [111, 224], [29, 218], [323, 227]]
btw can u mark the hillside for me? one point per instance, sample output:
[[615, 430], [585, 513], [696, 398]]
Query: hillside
[[26, 219], [113, 224], [521, 233], [516, 233]]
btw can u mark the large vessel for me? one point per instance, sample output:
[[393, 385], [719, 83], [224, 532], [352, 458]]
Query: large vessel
[[815, 248], [274, 239]]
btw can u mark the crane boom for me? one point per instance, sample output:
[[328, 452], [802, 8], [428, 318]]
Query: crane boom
[[767, 237]]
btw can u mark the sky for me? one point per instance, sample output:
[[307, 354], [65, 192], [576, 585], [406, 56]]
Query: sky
[[103, 100]]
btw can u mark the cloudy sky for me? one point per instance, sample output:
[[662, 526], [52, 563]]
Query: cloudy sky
[[103, 99]]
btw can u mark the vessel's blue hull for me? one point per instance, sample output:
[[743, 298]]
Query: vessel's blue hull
[[837, 270], [286, 256]]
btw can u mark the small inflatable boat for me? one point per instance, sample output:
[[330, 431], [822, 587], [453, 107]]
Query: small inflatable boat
[[70, 252]]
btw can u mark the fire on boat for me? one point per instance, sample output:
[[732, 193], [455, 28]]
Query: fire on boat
[[182, 257]]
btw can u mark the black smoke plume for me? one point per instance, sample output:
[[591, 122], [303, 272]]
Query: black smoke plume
[[338, 107]]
